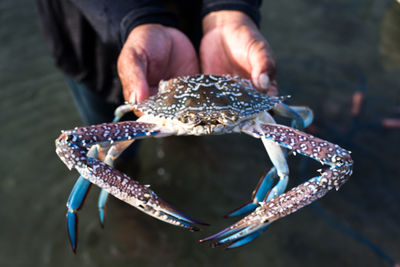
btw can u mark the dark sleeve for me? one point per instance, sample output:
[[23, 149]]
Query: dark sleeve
[[249, 7], [114, 19]]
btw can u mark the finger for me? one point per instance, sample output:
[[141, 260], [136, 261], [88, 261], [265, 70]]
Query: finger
[[132, 70], [263, 81], [262, 74], [262, 65], [273, 88], [183, 58]]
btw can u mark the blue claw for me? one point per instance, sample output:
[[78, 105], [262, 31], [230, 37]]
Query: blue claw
[[177, 215], [265, 185], [78, 194], [244, 240], [236, 236], [259, 194], [223, 233], [245, 208], [101, 203], [269, 187], [74, 203], [72, 226], [184, 223], [278, 189]]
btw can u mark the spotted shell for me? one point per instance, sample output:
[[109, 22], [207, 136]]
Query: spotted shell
[[207, 99]]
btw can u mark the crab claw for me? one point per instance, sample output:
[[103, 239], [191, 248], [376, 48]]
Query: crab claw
[[132, 192], [271, 209], [260, 193], [75, 202], [173, 216], [101, 203], [237, 234]]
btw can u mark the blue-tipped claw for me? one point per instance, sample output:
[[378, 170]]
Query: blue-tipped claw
[[72, 226], [278, 189], [239, 234], [265, 185], [236, 236], [78, 193], [176, 216], [259, 194], [183, 223], [244, 209], [74, 203], [101, 203], [223, 233], [244, 240]]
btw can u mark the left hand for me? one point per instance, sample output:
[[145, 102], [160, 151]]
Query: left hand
[[233, 44]]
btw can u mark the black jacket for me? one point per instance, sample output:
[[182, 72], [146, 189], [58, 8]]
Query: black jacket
[[86, 36]]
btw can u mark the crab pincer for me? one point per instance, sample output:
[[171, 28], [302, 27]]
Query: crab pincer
[[79, 148], [273, 209]]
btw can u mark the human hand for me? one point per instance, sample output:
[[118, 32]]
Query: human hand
[[153, 52], [232, 44]]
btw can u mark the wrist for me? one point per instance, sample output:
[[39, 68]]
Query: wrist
[[226, 18], [143, 16]]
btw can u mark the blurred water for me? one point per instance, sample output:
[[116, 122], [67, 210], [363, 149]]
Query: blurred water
[[325, 52]]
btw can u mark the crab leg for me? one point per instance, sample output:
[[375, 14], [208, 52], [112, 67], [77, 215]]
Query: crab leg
[[305, 113], [122, 110], [301, 117], [112, 154], [272, 184], [101, 203], [73, 149], [82, 187], [335, 176], [75, 202], [259, 194]]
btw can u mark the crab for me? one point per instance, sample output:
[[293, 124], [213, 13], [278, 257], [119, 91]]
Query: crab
[[204, 105]]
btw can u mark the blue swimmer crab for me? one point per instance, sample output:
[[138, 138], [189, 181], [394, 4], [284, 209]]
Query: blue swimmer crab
[[203, 105]]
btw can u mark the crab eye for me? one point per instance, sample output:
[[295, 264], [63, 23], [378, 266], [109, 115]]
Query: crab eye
[[234, 118], [184, 119], [339, 159]]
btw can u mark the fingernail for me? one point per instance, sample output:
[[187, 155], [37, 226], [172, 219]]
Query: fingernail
[[132, 98], [263, 81]]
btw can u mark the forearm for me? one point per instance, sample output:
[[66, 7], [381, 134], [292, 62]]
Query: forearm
[[113, 20]]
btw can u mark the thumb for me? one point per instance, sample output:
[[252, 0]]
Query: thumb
[[132, 70], [262, 66]]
